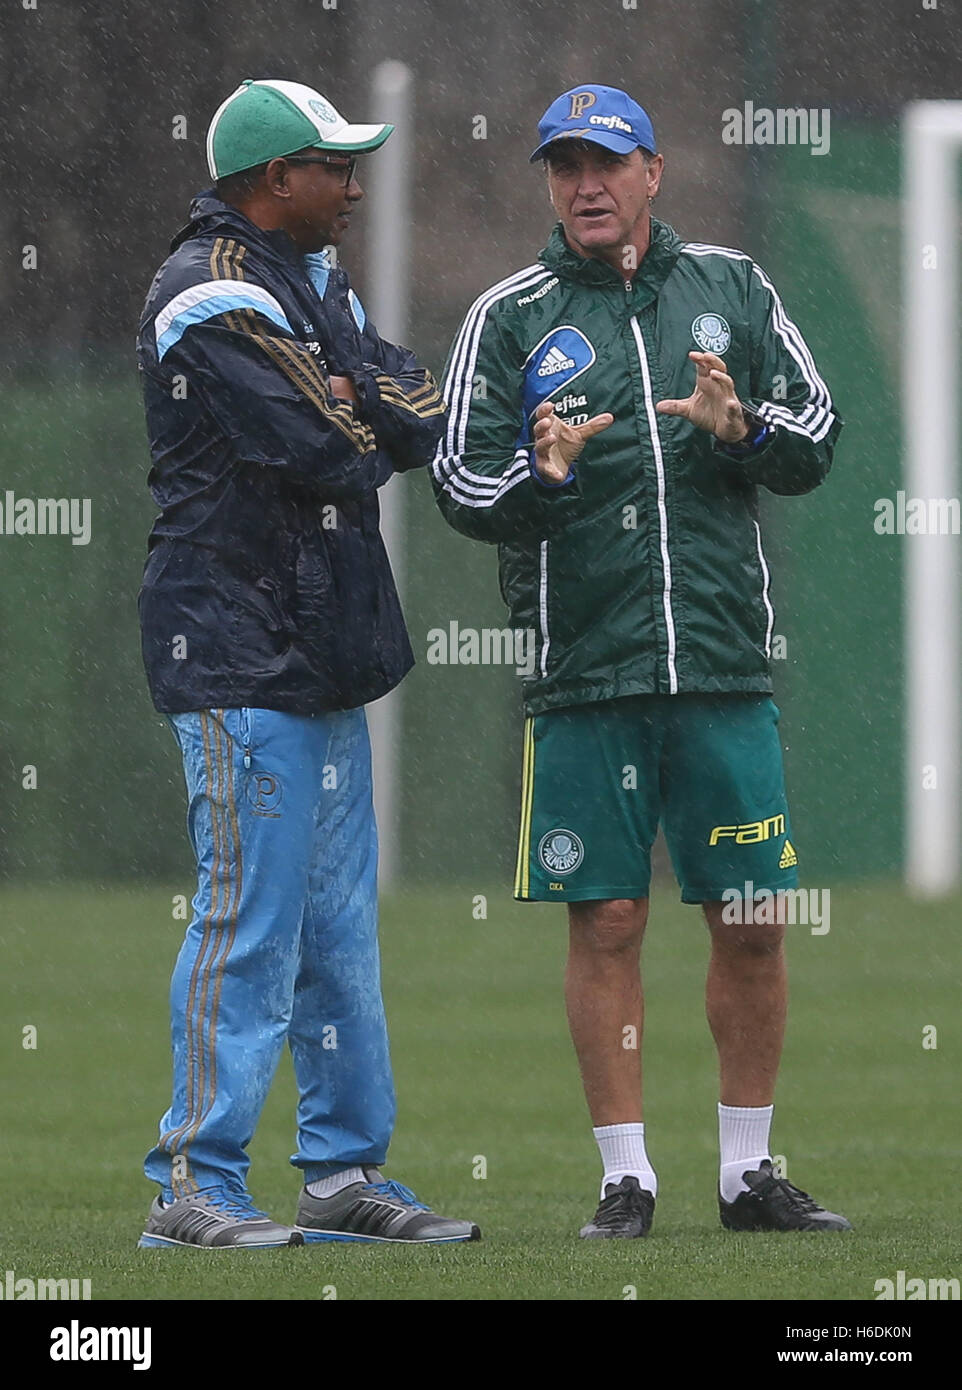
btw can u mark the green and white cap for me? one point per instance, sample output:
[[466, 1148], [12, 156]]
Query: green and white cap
[[266, 119]]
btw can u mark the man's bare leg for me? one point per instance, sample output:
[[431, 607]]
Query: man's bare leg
[[604, 998], [606, 1016], [746, 999]]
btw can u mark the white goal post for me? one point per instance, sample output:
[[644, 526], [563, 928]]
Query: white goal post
[[931, 145], [388, 280]]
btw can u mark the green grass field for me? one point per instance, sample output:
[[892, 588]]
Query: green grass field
[[867, 1118]]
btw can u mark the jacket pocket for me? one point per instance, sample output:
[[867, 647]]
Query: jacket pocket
[[275, 618]]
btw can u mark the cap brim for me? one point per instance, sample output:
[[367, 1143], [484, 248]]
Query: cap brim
[[619, 144], [357, 137]]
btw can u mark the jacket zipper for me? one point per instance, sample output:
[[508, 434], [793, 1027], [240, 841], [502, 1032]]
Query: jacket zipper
[[662, 508]]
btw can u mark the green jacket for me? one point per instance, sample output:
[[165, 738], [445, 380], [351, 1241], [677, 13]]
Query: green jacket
[[645, 572]]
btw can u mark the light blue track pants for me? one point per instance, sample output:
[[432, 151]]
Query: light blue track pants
[[282, 945]]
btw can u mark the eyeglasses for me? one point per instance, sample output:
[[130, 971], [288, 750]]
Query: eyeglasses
[[346, 167]]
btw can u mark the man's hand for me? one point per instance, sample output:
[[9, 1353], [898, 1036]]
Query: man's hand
[[713, 405], [343, 388], [557, 445]]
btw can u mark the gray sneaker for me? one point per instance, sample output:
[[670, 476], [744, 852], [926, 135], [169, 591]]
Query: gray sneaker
[[214, 1219], [377, 1211]]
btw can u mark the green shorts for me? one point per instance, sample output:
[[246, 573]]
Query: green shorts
[[597, 779]]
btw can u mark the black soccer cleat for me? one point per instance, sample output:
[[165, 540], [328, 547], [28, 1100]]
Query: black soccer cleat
[[775, 1204], [625, 1211]]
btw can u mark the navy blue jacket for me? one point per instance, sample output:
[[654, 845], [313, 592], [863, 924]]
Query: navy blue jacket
[[267, 582]]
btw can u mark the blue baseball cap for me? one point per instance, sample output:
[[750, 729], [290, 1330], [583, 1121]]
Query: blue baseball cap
[[604, 115]]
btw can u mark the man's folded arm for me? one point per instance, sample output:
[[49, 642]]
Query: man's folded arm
[[401, 402], [271, 398]]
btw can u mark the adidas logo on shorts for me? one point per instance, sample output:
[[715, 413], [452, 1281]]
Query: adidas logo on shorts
[[789, 858]]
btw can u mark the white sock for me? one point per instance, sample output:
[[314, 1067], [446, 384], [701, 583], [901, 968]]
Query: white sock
[[743, 1141], [623, 1154], [326, 1187]]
